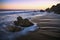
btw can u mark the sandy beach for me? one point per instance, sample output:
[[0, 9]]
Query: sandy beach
[[30, 20], [49, 28]]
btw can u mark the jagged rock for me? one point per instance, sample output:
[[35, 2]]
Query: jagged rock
[[23, 22], [48, 10], [55, 8], [13, 29], [19, 18], [26, 23]]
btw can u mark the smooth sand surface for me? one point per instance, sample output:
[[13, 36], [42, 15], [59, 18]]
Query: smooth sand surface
[[49, 29]]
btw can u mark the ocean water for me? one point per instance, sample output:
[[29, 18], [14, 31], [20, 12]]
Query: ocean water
[[7, 18]]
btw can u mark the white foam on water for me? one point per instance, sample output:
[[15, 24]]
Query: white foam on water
[[12, 17], [25, 31]]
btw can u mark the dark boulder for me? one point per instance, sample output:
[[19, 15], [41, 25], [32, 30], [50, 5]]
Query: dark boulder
[[19, 18], [57, 9], [22, 22], [42, 11], [13, 29], [26, 23]]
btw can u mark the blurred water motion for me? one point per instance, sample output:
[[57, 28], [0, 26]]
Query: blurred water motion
[[48, 22]]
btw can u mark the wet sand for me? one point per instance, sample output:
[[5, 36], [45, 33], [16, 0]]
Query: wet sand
[[49, 29]]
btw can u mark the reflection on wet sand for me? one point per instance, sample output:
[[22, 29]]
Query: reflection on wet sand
[[49, 29]]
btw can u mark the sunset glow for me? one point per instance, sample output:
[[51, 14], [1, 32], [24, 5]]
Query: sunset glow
[[27, 4]]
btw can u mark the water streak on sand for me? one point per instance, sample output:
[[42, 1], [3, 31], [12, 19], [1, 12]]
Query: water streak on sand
[[46, 21]]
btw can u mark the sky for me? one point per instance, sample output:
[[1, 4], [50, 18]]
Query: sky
[[27, 4]]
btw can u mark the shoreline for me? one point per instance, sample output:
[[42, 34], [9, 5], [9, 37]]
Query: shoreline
[[47, 31]]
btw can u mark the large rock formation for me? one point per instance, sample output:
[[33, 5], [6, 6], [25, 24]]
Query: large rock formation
[[54, 8], [22, 22], [48, 10]]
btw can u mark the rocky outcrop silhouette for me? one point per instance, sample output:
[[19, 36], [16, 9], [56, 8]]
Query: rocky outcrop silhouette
[[42, 11], [22, 22], [48, 10], [54, 8]]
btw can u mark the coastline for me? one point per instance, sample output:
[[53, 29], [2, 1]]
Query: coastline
[[47, 30]]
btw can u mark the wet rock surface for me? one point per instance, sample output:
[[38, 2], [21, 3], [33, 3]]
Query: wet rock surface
[[12, 29], [22, 22]]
